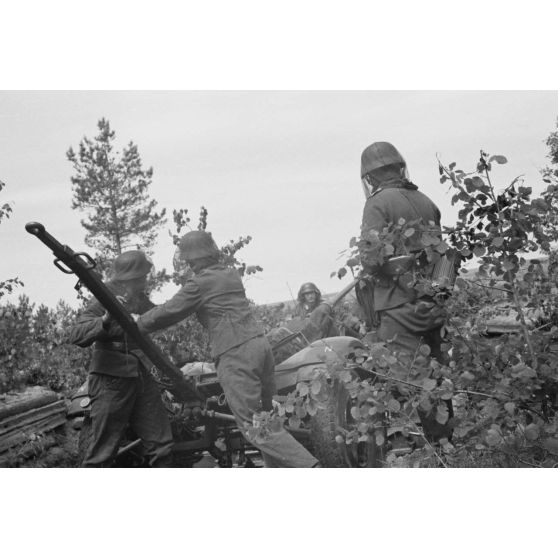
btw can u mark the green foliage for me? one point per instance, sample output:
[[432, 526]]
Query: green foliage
[[33, 348], [229, 256], [7, 285], [504, 389], [271, 316], [228, 252], [112, 189], [5, 209], [552, 143], [420, 242]]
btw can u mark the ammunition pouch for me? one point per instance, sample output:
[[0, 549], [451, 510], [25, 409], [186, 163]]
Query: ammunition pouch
[[446, 268], [398, 265], [444, 271], [364, 291]]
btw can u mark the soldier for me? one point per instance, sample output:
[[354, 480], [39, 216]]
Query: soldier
[[309, 297], [405, 321], [243, 356], [390, 197], [316, 314], [121, 389]]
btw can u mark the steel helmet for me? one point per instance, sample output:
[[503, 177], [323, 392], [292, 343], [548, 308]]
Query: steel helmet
[[379, 163], [308, 288], [378, 155], [131, 265], [197, 244]]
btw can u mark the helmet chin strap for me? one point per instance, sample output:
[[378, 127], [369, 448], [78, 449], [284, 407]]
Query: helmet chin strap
[[405, 173], [369, 187]]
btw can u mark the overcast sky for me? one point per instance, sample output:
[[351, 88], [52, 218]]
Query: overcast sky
[[282, 167]]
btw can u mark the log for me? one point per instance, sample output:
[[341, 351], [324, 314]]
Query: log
[[31, 398], [21, 436], [17, 429], [20, 420], [32, 449]]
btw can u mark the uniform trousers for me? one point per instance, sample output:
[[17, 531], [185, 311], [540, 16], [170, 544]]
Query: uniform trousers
[[405, 329], [246, 373], [117, 403]]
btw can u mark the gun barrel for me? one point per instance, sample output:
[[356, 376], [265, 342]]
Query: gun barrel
[[82, 264], [38, 230], [344, 293], [35, 228]]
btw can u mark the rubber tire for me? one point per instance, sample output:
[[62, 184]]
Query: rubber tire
[[326, 424]]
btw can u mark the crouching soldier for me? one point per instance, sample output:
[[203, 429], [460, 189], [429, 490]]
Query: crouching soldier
[[309, 298], [121, 389], [317, 315], [243, 356]]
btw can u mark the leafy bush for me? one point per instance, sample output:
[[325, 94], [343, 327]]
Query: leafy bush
[[271, 316], [504, 390], [33, 348], [7, 285]]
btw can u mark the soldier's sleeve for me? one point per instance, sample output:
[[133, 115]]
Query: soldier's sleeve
[[373, 216], [373, 222], [322, 318], [89, 326], [185, 302], [145, 303]]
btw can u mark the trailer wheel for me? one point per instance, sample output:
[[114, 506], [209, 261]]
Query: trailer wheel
[[333, 420]]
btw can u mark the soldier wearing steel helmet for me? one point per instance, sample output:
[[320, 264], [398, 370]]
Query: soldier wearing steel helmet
[[406, 320], [308, 298], [244, 361], [318, 315], [123, 393]]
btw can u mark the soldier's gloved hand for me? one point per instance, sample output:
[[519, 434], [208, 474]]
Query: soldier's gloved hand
[[111, 326], [115, 330], [107, 319]]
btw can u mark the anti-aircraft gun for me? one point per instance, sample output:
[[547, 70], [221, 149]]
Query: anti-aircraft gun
[[194, 398], [198, 410]]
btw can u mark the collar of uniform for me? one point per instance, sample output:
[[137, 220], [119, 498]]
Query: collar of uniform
[[398, 183], [375, 192], [211, 268]]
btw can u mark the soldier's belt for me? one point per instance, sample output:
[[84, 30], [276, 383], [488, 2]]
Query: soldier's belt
[[118, 346]]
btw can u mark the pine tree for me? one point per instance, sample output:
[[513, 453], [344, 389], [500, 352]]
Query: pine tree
[[112, 189]]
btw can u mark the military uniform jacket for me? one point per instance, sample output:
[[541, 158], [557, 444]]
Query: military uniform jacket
[[302, 310], [217, 297], [114, 355], [318, 322], [394, 200]]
